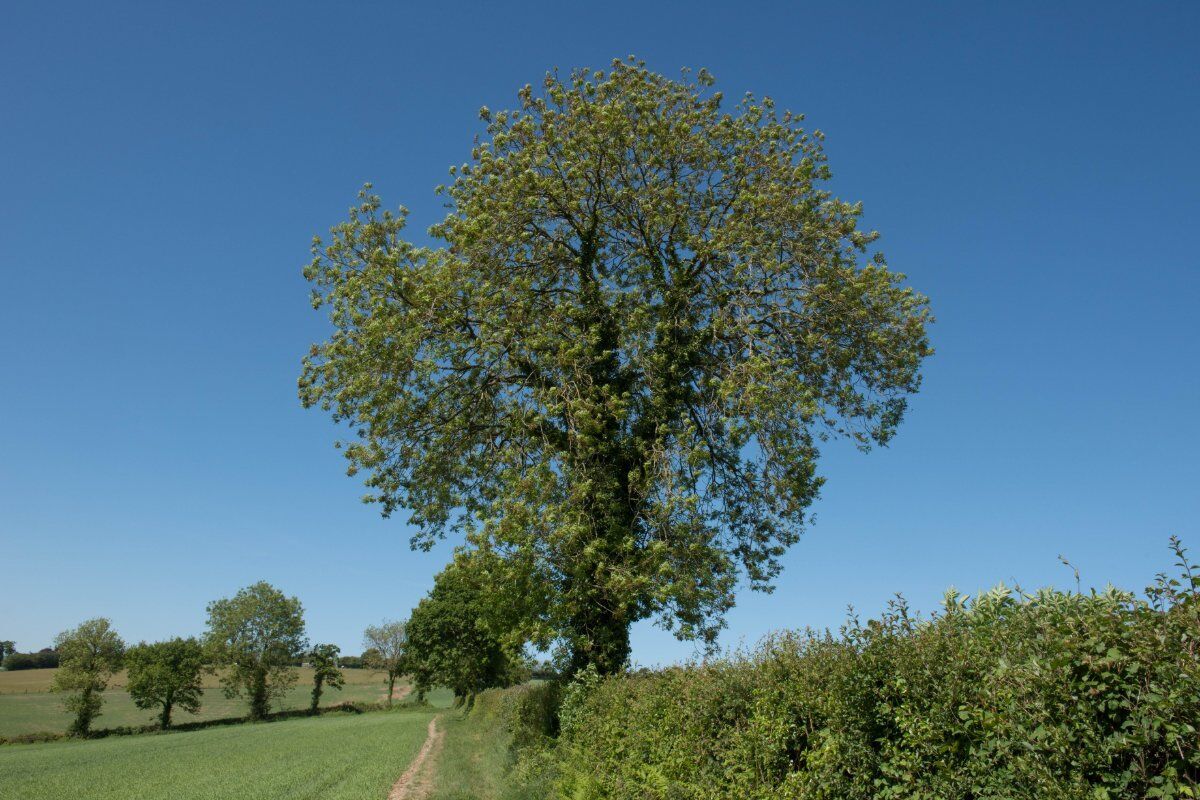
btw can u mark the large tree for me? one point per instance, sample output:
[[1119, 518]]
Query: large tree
[[88, 656], [256, 635], [165, 676], [647, 314], [386, 645]]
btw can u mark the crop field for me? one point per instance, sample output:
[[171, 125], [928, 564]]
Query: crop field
[[28, 706], [334, 757]]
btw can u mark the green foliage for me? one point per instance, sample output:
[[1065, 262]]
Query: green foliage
[[43, 659], [256, 634], [1053, 695], [455, 634], [166, 675], [324, 662], [386, 645], [615, 374], [88, 657], [7, 648]]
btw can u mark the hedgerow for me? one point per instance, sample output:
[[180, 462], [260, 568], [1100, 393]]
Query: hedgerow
[[1056, 695]]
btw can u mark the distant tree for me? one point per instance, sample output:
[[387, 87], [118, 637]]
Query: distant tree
[[7, 648], [454, 638], [324, 662], [644, 313], [42, 659], [350, 662], [19, 661], [166, 675], [256, 635], [88, 657], [386, 645], [46, 658]]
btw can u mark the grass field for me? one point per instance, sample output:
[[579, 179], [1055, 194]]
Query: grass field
[[334, 757], [27, 705]]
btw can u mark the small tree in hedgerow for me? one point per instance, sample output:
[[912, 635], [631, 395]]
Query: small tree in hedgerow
[[324, 662], [386, 645], [648, 313], [256, 635], [165, 676], [88, 657], [453, 639]]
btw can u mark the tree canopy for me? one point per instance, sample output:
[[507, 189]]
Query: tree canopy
[[257, 634], [645, 315], [165, 676]]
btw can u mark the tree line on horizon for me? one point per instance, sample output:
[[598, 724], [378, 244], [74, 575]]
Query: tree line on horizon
[[255, 638]]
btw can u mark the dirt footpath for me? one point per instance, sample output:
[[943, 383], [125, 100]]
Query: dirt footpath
[[415, 782]]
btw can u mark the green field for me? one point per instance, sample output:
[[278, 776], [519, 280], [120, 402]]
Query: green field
[[27, 705], [334, 757]]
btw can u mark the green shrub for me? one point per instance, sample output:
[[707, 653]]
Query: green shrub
[[1050, 695]]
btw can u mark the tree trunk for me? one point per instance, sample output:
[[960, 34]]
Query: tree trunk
[[603, 640], [258, 695], [605, 458], [316, 694], [391, 686], [83, 718], [165, 717]]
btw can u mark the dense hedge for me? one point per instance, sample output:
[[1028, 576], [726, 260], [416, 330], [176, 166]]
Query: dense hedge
[[1052, 695], [43, 659]]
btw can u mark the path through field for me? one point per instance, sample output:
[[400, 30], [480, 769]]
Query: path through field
[[414, 783], [399, 694]]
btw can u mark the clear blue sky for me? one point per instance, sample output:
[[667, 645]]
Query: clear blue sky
[[1033, 168]]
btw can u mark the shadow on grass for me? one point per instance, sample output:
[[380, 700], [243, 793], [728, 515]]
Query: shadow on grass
[[141, 730]]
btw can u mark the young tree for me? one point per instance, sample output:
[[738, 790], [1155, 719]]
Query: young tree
[[324, 661], [452, 639], [166, 675], [256, 635], [88, 657], [7, 648], [385, 648], [647, 314]]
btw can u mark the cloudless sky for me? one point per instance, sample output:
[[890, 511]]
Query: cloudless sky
[[1033, 168]]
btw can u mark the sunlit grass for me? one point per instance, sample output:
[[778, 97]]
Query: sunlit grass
[[334, 757]]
